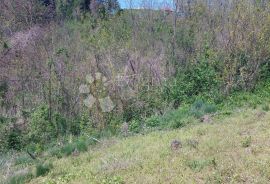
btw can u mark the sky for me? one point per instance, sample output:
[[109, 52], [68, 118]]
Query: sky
[[145, 3]]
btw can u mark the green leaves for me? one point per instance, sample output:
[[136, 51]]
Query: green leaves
[[5, 45]]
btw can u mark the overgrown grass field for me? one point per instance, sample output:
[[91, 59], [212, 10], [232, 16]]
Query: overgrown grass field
[[228, 150]]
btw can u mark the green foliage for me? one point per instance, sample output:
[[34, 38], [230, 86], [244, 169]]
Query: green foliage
[[65, 9], [115, 123], [102, 9], [4, 120], [81, 145], [43, 168], [3, 89], [15, 140], [135, 126], [55, 152], [199, 79], [61, 124], [76, 126], [5, 45], [265, 107], [260, 95], [182, 116], [153, 101], [132, 111], [185, 39], [69, 146], [82, 124], [36, 148], [153, 121], [176, 118], [41, 130], [68, 149]]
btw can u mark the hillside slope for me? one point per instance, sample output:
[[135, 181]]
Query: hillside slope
[[228, 150]]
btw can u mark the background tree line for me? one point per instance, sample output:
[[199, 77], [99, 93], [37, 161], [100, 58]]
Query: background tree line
[[17, 15]]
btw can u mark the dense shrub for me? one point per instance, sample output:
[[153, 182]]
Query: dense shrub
[[153, 121], [199, 79], [15, 139], [68, 149], [40, 129], [43, 129], [176, 118]]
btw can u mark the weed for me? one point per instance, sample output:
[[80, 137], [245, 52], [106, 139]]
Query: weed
[[113, 180], [246, 142], [135, 126], [198, 165], [198, 104], [81, 145], [68, 149], [43, 169], [199, 108], [210, 108], [175, 119], [153, 121], [265, 107]]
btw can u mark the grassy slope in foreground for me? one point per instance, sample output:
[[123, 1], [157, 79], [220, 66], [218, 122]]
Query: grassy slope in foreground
[[231, 150]]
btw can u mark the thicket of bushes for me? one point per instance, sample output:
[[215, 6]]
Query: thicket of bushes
[[151, 66]]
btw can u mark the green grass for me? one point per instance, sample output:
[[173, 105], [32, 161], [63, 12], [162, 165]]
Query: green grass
[[20, 179], [23, 160], [233, 149]]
